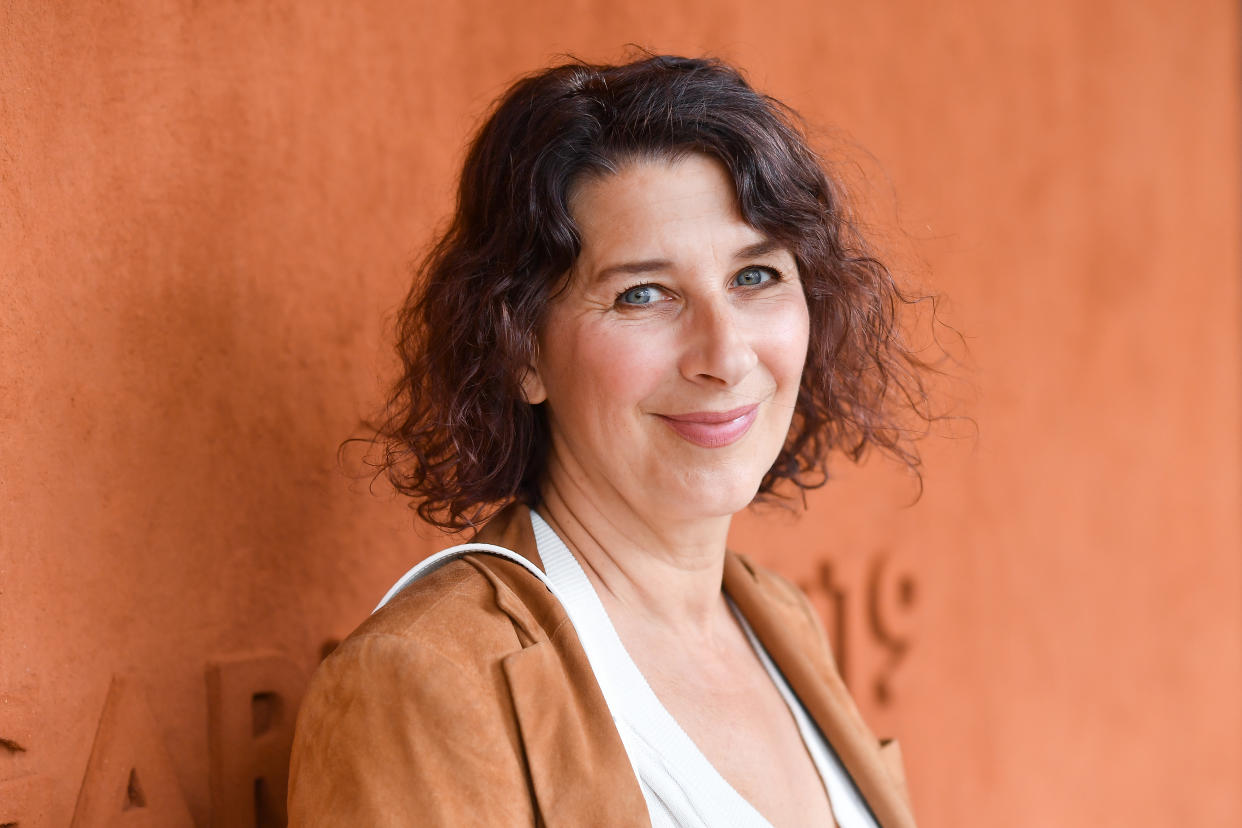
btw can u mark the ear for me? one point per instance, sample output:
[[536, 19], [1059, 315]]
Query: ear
[[532, 386]]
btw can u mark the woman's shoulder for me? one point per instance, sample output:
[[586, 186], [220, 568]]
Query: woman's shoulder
[[770, 599], [742, 573], [475, 605], [466, 613], [769, 580], [410, 714]]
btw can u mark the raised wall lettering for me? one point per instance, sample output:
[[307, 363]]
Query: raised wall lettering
[[252, 702], [867, 607], [129, 781]]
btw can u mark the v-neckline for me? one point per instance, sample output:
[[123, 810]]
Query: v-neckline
[[643, 721]]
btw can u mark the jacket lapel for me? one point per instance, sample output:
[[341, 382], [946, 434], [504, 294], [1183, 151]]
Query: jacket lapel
[[568, 736], [783, 624], [564, 723]]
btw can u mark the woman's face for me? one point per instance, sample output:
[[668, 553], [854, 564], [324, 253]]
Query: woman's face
[[670, 364]]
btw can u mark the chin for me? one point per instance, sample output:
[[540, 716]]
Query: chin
[[711, 495]]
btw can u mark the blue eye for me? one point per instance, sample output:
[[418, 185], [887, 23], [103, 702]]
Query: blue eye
[[752, 276], [641, 295]]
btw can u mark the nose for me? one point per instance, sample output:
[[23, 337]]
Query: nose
[[716, 347]]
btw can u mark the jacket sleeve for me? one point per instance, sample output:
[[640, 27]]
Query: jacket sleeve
[[393, 733]]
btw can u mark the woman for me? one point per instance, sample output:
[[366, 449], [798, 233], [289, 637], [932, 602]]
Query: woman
[[648, 311]]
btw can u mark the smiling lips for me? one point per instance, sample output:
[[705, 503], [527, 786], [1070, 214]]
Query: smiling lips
[[712, 429]]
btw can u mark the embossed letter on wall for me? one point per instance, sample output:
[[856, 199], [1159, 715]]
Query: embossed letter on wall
[[252, 703], [129, 778]]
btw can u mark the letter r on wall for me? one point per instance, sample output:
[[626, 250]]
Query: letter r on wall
[[252, 701]]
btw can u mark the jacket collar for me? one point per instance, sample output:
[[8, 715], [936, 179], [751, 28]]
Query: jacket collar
[[783, 623], [566, 725]]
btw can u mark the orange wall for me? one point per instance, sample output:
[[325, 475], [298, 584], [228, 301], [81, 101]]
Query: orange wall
[[205, 214]]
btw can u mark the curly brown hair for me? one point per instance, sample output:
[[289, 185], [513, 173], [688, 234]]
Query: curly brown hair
[[458, 436]]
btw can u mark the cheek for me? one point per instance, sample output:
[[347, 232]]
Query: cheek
[[799, 344], [785, 345], [603, 373]]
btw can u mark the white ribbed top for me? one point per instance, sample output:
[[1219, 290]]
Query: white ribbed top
[[682, 788]]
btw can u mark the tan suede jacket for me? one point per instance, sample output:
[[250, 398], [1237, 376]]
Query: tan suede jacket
[[468, 700]]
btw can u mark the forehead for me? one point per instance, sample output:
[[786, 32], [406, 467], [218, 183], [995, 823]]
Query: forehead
[[656, 206]]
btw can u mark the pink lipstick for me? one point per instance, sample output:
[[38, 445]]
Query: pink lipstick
[[712, 429]]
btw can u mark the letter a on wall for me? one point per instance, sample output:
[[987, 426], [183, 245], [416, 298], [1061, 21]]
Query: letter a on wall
[[130, 781], [252, 701]]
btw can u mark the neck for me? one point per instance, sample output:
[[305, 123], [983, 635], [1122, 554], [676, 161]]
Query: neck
[[648, 571]]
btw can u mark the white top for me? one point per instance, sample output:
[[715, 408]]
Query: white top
[[849, 809], [681, 787]]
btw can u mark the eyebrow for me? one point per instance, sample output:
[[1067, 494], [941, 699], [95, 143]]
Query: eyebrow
[[752, 251], [758, 249]]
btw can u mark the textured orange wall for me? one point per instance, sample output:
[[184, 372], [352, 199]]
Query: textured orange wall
[[205, 213]]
